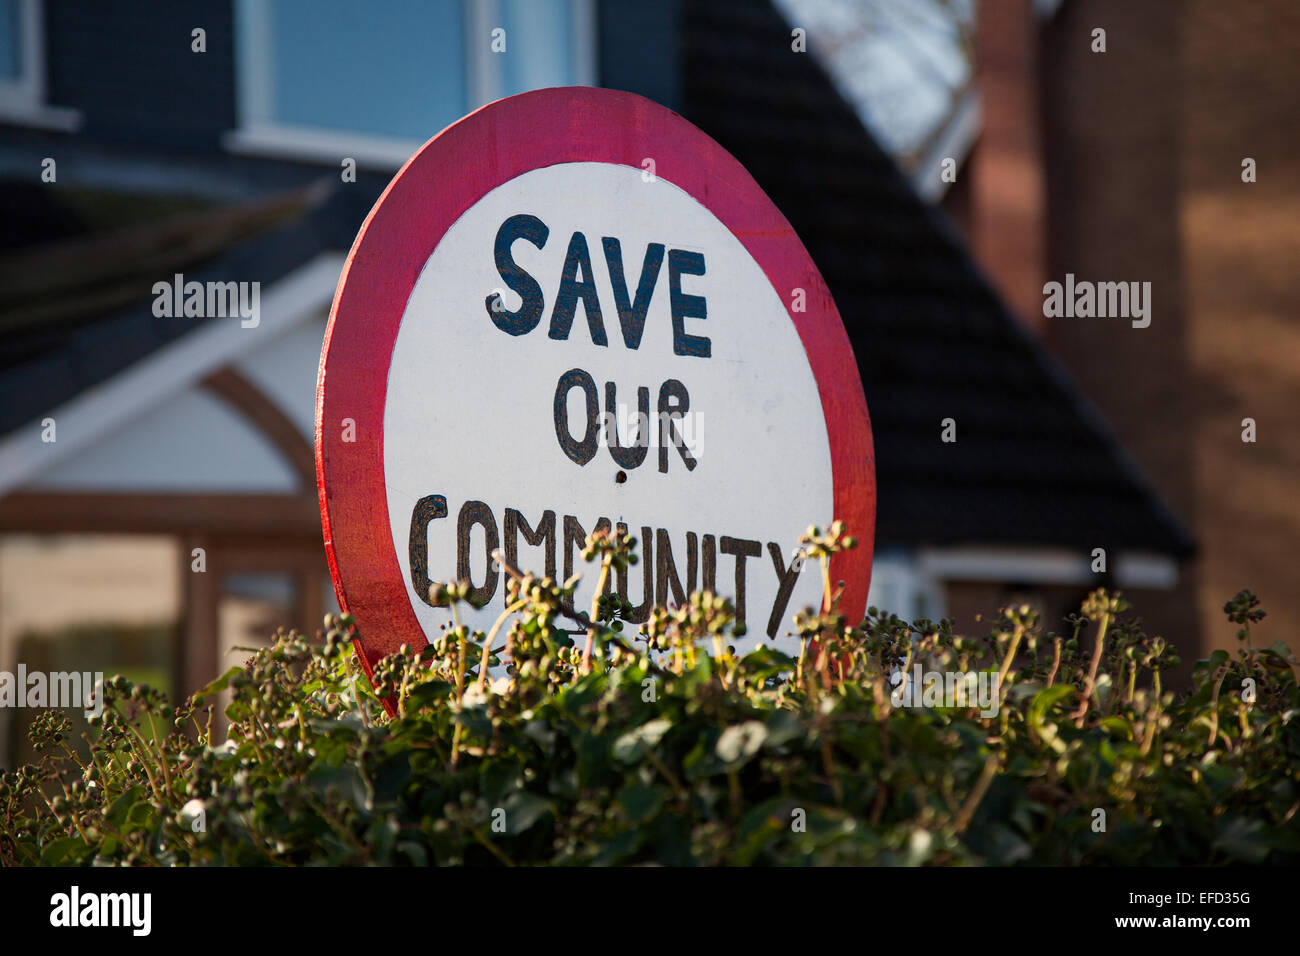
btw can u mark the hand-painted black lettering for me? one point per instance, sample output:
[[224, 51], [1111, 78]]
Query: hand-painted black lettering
[[631, 315], [683, 306], [575, 538], [640, 613], [742, 548], [525, 319], [583, 451], [666, 575], [674, 402], [633, 453], [477, 513], [788, 578], [426, 510], [544, 535], [572, 289]]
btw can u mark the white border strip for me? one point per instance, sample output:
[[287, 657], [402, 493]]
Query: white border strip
[[1044, 566], [22, 101], [1142, 570], [955, 142], [330, 146], [104, 408]]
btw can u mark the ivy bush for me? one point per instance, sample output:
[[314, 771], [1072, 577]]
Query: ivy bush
[[596, 745]]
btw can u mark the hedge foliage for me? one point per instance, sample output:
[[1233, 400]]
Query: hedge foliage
[[602, 746]]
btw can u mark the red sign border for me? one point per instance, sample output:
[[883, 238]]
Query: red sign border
[[447, 176]]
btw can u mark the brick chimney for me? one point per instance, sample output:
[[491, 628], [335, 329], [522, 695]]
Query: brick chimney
[[1008, 227]]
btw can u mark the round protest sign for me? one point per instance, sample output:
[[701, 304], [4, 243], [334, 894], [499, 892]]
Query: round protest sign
[[573, 310]]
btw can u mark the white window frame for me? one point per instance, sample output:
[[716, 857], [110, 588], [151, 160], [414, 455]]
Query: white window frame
[[954, 142], [1044, 565], [486, 74], [22, 101], [258, 134], [902, 585]]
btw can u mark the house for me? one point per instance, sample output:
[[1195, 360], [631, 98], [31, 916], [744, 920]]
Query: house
[[156, 470], [1169, 158]]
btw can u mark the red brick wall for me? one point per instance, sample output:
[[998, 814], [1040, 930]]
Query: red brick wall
[[1241, 252], [1140, 151], [1007, 204]]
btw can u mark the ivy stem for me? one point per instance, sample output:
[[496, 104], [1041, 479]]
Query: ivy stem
[[462, 647], [1091, 685], [1017, 633], [1214, 707], [73, 754], [162, 756], [356, 695], [142, 755], [977, 794], [487, 644], [595, 611], [99, 767], [41, 793], [826, 583], [491, 847], [1056, 662]]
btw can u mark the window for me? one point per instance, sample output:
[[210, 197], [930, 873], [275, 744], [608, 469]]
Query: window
[[547, 43], [908, 70], [901, 585], [326, 79], [11, 48], [22, 69]]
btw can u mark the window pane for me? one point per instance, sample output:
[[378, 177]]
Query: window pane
[[11, 42], [386, 67], [539, 45]]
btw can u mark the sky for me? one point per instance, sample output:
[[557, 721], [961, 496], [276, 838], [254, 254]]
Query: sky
[[902, 63]]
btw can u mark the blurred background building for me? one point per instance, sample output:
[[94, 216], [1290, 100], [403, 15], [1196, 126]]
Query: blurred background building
[[173, 518]]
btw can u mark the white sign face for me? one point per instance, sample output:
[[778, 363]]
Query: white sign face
[[566, 294]]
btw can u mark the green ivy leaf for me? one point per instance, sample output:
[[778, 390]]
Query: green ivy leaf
[[783, 726], [631, 746], [639, 802], [221, 683], [524, 809], [1117, 726], [1242, 839], [65, 851], [121, 807], [741, 741]]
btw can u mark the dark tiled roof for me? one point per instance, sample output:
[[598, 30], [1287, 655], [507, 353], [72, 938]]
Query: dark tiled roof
[[1033, 462], [57, 344]]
